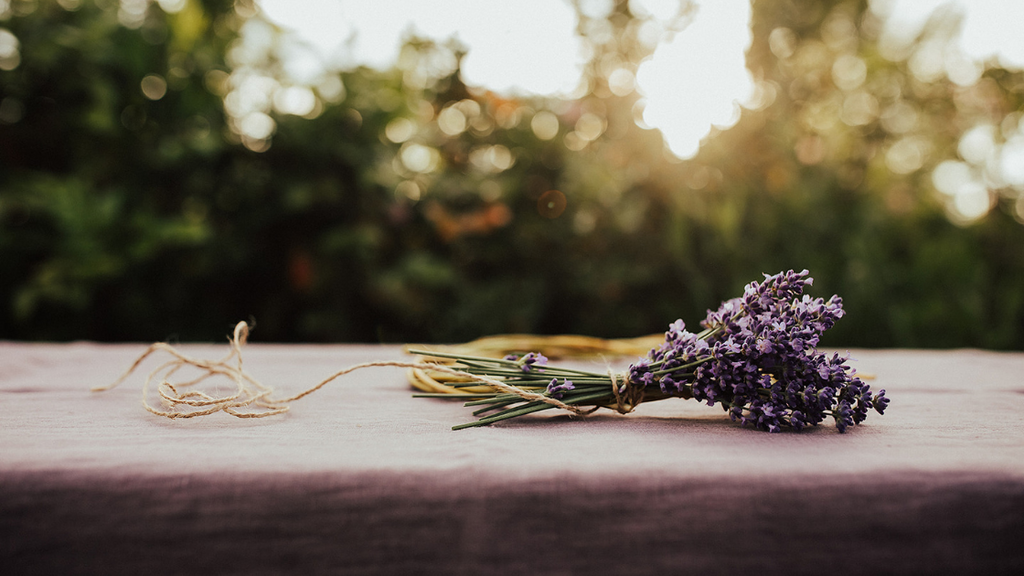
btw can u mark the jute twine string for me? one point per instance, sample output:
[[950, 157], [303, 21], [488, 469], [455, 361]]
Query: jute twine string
[[254, 396], [628, 396]]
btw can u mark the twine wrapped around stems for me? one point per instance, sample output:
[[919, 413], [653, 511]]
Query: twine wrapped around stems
[[628, 396]]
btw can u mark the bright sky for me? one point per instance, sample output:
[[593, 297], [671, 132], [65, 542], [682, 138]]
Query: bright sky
[[691, 83], [525, 45]]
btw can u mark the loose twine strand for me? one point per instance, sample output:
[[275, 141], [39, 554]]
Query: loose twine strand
[[251, 398]]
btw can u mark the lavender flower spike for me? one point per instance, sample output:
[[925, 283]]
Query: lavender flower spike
[[555, 389], [757, 357]]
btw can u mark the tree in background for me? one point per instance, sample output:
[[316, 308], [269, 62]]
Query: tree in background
[[164, 172]]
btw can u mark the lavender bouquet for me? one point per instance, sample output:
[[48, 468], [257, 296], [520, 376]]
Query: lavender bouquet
[[756, 357]]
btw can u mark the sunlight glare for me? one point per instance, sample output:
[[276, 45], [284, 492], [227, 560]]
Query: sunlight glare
[[989, 31], [528, 46], [694, 82]]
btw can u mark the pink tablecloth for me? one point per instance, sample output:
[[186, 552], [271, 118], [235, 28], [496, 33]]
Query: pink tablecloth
[[362, 478]]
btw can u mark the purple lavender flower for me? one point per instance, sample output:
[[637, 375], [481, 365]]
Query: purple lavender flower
[[879, 402], [843, 414], [532, 361], [555, 389], [758, 357]]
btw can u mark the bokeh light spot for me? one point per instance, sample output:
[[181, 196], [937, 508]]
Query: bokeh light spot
[[544, 125], [216, 81], [399, 130], [573, 142], [257, 125], [584, 222], [10, 54], [621, 82], [500, 157], [961, 69], [839, 32], [451, 121], [508, 115], [950, 175], [849, 72], [907, 155], [928, 64], [492, 159], [171, 6], [972, 201], [859, 109], [551, 204], [650, 33], [409, 190], [977, 144], [1011, 161], [331, 89], [638, 114], [782, 43], [418, 158], [132, 13], [296, 100], [900, 118], [589, 127], [153, 86]]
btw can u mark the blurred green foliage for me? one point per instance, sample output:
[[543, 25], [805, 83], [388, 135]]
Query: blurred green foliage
[[128, 218]]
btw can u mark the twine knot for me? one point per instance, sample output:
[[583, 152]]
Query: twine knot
[[627, 396]]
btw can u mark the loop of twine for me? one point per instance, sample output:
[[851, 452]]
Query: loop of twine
[[251, 394]]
